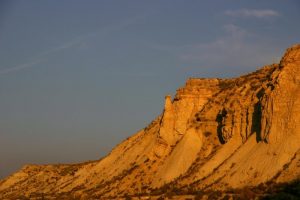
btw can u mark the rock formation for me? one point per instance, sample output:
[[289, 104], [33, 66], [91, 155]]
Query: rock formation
[[216, 134]]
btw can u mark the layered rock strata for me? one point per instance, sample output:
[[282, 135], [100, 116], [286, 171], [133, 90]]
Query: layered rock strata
[[216, 134]]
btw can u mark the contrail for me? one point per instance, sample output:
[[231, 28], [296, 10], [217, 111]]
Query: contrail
[[20, 67], [43, 56]]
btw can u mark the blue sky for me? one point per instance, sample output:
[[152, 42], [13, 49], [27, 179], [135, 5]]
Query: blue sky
[[77, 77]]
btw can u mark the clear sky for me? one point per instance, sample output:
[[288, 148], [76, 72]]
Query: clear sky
[[78, 77]]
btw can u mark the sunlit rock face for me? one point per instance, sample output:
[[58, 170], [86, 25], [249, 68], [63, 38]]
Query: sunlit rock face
[[215, 134], [189, 99]]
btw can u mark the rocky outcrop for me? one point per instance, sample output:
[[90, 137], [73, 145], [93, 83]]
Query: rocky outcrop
[[216, 134], [256, 118], [177, 114]]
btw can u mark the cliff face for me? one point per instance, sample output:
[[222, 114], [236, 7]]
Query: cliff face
[[215, 134], [177, 114]]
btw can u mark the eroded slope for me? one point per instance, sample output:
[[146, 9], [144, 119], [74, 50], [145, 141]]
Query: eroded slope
[[215, 134]]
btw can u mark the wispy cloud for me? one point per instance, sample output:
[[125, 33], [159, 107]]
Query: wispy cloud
[[71, 44], [220, 50], [235, 47], [235, 31], [256, 13]]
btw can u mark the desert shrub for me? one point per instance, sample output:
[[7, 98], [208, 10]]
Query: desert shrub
[[70, 170], [161, 198], [214, 194], [285, 166], [199, 195], [226, 197], [246, 193], [22, 197], [232, 165], [226, 84], [206, 133], [127, 197]]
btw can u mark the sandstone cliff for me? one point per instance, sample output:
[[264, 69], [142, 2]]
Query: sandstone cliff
[[216, 134]]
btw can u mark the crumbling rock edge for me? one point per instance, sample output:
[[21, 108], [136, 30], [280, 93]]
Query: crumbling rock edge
[[215, 135]]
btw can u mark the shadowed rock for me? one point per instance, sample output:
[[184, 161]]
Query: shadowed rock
[[215, 135]]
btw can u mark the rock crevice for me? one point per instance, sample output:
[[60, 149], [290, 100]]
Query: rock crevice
[[221, 133]]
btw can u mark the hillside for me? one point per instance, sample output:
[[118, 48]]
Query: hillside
[[220, 135]]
